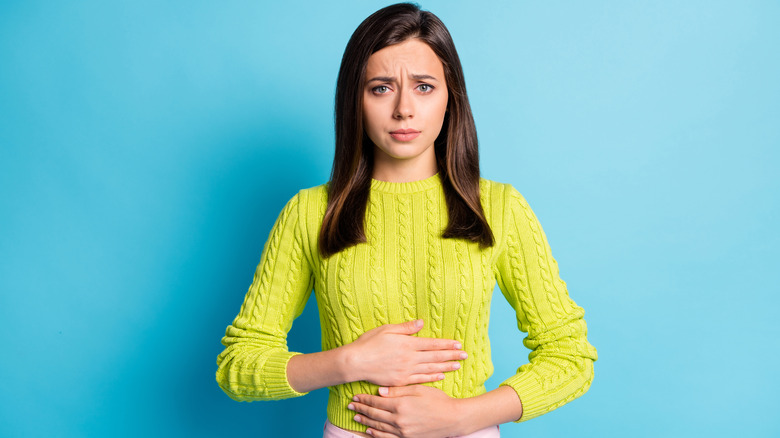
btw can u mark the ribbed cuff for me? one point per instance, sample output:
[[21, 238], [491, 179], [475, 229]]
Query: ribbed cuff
[[275, 370], [531, 394]]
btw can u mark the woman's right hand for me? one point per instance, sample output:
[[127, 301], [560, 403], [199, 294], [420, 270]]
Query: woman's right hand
[[389, 356]]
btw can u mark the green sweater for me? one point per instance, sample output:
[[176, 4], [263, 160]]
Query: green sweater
[[404, 272]]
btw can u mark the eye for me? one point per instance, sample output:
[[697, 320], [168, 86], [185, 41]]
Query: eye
[[425, 88], [382, 89]]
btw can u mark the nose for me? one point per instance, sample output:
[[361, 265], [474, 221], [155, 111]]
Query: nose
[[404, 107]]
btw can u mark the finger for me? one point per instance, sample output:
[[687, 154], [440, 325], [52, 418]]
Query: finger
[[375, 402], [425, 378], [441, 356], [434, 368], [371, 412], [381, 434], [399, 391], [407, 328], [376, 425], [425, 344]]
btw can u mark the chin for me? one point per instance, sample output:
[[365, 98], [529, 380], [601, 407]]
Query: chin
[[405, 151]]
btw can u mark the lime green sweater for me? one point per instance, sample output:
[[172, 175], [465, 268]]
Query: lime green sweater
[[407, 271]]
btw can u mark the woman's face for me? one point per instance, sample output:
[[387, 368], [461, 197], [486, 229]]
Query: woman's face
[[404, 102]]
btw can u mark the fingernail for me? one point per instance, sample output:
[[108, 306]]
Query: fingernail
[[351, 407], [383, 391], [464, 355], [455, 366], [458, 346], [357, 418], [370, 432], [355, 398], [418, 323], [441, 376]]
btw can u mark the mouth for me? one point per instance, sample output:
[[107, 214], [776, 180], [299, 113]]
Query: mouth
[[404, 134]]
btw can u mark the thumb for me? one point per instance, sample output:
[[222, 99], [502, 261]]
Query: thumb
[[410, 327]]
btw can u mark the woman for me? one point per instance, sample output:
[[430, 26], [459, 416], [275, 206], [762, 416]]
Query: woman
[[403, 248]]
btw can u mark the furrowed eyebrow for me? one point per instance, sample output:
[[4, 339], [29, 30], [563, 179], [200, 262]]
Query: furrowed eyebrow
[[392, 78], [382, 79], [426, 77]]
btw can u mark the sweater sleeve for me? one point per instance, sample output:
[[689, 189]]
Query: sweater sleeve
[[560, 366], [253, 365]]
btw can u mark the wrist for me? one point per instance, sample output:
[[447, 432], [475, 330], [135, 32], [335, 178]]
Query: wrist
[[346, 364], [498, 406], [462, 412]]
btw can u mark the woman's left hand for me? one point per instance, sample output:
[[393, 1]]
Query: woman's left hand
[[413, 411]]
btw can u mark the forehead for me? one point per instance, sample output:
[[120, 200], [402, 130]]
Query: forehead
[[412, 56]]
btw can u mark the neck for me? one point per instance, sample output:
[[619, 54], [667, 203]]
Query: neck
[[404, 172]]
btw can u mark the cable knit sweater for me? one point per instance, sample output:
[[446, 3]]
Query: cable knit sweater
[[406, 271]]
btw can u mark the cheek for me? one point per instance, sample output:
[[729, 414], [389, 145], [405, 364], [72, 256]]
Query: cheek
[[367, 125], [442, 109], [370, 122], [369, 114], [441, 104]]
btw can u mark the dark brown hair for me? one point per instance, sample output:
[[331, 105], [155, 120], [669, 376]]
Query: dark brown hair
[[457, 155]]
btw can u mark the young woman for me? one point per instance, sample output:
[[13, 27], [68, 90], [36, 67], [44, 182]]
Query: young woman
[[403, 247]]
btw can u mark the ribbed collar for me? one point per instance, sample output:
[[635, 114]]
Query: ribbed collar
[[406, 187]]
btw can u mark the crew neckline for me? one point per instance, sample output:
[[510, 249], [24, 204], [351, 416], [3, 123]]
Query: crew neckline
[[406, 187]]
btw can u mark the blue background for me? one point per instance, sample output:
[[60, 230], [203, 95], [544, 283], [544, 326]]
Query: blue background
[[147, 147]]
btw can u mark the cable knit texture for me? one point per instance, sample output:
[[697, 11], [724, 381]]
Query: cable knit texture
[[406, 271]]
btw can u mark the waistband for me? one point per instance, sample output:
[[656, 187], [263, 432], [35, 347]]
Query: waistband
[[332, 431]]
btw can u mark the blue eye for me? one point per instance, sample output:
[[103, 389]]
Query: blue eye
[[425, 88], [382, 89]]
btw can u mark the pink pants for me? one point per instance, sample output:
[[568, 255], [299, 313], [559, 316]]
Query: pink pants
[[332, 431]]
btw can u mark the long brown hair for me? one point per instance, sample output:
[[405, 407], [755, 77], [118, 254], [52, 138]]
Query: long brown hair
[[457, 155]]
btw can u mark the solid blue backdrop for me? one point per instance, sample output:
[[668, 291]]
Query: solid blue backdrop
[[147, 147]]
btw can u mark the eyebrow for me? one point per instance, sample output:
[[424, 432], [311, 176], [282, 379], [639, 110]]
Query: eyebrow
[[392, 78]]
